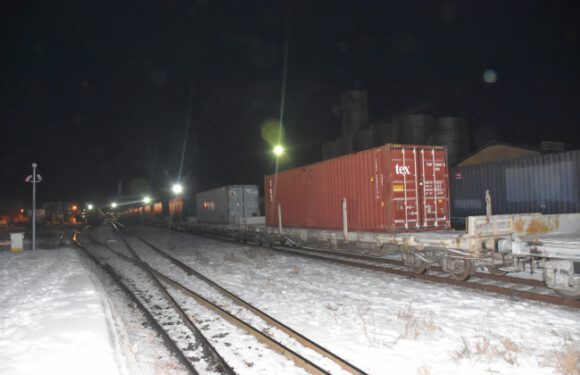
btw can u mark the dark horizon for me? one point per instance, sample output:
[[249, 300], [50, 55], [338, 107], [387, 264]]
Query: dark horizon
[[98, 93]]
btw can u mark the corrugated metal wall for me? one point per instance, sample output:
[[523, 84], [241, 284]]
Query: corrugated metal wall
[[389, 188], [228, 204], [547, 184]]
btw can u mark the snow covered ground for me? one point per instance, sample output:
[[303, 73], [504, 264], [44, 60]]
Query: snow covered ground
[[56, 317], [381, 323], [51, 317]]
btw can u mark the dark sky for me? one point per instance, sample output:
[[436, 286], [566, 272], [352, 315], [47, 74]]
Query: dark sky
[[101, 91]]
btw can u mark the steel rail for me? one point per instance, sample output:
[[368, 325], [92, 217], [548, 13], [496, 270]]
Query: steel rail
[[551, 299], [508, 279], [171, 345], [474, 285], [269, 319], [384, 267], [220, 363], [298, 359]]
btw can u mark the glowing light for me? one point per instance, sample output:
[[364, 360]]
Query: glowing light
[[90, 206], [147, 200], [278, 150], [490, 76], [114, 205], [74, 208], [22, 210], [177, 189]]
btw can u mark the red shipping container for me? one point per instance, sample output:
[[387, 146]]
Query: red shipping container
[[392, 188]]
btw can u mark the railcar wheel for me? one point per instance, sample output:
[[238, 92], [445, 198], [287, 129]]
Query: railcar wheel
[[459, 268], [494, 270], [416, 264]]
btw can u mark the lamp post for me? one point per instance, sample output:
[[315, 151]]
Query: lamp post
[[34, 206], [279, 150], [34, 178], [177, 189]]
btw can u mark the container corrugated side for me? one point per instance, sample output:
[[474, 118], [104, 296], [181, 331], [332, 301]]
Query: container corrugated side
[[227, 204], [385, 189], [548, 184]]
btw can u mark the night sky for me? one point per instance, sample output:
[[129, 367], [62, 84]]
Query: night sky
[[98, 92]]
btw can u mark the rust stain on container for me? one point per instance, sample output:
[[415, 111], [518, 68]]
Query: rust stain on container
[[407, 191], [536, 225]]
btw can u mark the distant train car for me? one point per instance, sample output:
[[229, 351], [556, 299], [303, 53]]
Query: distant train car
[[228, 204], [95, 216], [392, 188]]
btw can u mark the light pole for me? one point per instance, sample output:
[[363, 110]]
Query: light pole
[[278, 150], [177, 189], [33, 206], [34, 178]]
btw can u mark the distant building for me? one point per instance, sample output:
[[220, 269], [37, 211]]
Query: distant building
[[498, 151]]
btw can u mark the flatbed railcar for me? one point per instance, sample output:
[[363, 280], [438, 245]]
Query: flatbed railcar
[[395, 200]]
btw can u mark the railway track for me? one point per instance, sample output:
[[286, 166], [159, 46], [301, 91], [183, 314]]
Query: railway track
[[529, 289], [505, 285], [177, 283]]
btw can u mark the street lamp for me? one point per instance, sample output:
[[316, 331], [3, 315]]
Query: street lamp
[[278, 150], [177, 189], [89, 206], [147, 200], [114, 205]]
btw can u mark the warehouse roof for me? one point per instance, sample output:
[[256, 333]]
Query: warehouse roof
[[497, 151]]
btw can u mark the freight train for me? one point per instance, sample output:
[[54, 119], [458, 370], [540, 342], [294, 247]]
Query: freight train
[[392, 199]]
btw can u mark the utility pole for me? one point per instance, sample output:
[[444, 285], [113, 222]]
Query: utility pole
[[34, 178], [34, 206]]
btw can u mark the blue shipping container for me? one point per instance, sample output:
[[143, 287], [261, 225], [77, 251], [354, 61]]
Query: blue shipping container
[[548, 184]]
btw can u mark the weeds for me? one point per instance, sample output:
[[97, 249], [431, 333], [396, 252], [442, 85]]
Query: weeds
[[415, 326], [372, 331], [488, 349], [294, 271], [567, 361]]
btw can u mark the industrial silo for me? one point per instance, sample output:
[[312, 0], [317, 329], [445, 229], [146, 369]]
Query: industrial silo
[[453, 133], [364, 139], [386, 133], [354, 112], [331, 149], [415, 129]]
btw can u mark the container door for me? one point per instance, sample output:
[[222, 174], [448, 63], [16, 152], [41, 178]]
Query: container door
[[433, 188], [404, 188], [235, 204]]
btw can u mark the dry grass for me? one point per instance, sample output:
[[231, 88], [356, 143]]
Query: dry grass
[[567, 361], [233, 258], [489, 348], [415, 325], [333, 309], [373, 332], [294, 271], [259, 256]]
